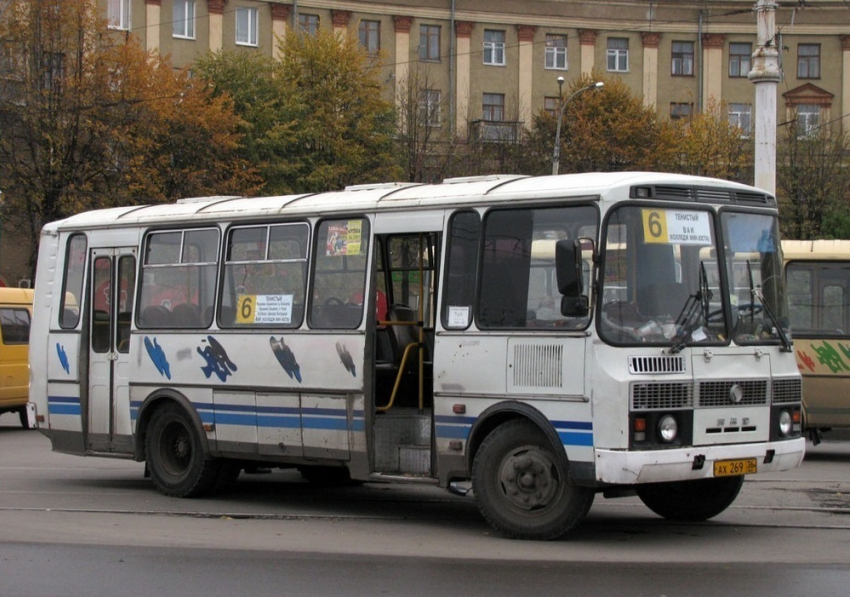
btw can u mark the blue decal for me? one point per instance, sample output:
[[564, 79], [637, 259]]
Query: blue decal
[[217, 360], [158, 357], [347, 360], [63, 358], [286, 358]]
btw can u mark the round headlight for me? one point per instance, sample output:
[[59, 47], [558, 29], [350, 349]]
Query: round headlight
[[668, 429], [785, 422]]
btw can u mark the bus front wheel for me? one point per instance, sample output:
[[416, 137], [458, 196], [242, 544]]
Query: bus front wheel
[[175, 455], [522, 488], [690, 501]]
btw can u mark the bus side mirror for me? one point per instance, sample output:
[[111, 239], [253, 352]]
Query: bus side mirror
[[568, 262]]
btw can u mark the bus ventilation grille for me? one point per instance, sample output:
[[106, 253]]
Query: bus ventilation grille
[[656, 365]]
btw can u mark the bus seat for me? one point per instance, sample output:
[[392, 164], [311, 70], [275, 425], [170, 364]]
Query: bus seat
[[404, 335], [155, 316], [186, 315]]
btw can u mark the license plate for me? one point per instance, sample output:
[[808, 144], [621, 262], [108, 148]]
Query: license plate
[[731, 468]]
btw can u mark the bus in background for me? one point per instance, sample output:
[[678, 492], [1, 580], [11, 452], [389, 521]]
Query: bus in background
[[15, 317], [537, 341], [818, 274]]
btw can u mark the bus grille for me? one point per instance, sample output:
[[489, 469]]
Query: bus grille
[[716, 393], [787, 391], [657, 396], [659, 364]]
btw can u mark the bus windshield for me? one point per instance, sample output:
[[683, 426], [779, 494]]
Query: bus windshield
[[661, 283], [754, 268], [657, 286]]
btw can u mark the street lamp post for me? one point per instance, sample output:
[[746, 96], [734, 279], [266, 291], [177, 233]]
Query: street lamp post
[[556, 154]]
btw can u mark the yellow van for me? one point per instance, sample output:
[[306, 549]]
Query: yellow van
[[15, 317], [818, 274]]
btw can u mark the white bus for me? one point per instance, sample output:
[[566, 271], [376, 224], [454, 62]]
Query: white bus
[[534, 340], [818, 273]]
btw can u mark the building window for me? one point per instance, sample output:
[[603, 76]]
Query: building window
[[740, 56], [429, 43], [309, 23], [494, 47], [493, 108], [246, 26], [741, 116], [808, 61], [118, 14], [184, 19], [370, 36], [683, 59], [681, 111], [556, 52], [552, 105], [808, 118], [429, 107], [618, 54]]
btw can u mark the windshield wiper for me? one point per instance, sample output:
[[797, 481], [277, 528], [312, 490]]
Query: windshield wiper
[[780, 331], [688, 320]]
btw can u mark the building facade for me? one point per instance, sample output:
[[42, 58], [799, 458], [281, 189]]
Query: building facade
[[499, 60]]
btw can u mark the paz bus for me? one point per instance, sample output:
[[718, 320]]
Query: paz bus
[[528, 341], [818, 274]]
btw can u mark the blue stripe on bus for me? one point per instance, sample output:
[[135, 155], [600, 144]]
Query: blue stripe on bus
[[576, 439], [63, 405], [285, 417]]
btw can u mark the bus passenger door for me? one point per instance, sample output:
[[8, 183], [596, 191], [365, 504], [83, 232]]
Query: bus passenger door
[[108, 405]]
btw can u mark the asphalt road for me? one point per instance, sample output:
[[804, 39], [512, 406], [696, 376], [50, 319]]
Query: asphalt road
[[93, 526]]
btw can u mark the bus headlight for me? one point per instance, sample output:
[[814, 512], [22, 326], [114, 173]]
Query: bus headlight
[[785, 423], [668, 428]]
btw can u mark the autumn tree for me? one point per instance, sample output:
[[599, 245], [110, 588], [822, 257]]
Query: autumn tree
[[813, 181], [709, 145], [603, 129], [86, 122]]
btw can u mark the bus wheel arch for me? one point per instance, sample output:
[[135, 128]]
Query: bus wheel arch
[[176, 452], [521, 482], [148, 408]]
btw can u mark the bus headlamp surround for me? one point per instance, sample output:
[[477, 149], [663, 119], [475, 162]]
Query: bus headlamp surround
[[785, 423], [668, 429]]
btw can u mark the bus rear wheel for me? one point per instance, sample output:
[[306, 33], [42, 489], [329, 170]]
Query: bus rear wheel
[[521, 486], [690, 501], [175, 455]]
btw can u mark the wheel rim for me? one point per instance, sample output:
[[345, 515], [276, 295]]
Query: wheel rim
[[175, 449], [529, 480]]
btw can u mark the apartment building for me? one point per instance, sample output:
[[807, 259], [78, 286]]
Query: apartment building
[[498, 61]]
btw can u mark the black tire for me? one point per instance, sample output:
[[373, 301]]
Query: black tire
[[175, 455], [691, 501], [521, 486], [22, 413]]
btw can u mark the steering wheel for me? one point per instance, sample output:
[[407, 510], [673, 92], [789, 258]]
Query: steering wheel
[[332, 300]]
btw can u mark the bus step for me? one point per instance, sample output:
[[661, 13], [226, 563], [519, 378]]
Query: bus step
[[400, 478], [414, 459]]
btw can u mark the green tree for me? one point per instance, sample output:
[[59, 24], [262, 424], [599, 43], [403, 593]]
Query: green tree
[[317, 120], [87, 123]]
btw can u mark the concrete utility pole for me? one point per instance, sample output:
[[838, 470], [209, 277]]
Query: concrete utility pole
[[766, 75]]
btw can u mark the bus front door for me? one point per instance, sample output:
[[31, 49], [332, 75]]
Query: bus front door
[[110, 314]]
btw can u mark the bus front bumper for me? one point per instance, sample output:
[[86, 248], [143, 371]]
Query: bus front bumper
[[620, 467]]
